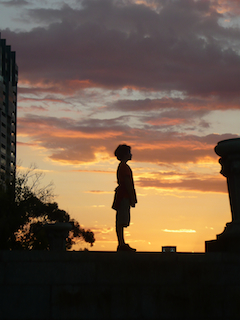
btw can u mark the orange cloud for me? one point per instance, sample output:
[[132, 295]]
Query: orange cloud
[[98, 192], [199, 183], [95, 171], [179, 230], [166, 121], [80, 141]]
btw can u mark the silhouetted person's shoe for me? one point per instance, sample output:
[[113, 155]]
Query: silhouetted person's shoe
[[126, 248]]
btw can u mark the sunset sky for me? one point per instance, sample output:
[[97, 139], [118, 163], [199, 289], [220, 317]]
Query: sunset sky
[[162, 76]]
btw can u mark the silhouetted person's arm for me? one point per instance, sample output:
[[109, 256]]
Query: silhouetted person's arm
[[130, 190]]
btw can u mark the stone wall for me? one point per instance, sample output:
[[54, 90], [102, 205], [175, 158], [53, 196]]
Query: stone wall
[[109, 285]]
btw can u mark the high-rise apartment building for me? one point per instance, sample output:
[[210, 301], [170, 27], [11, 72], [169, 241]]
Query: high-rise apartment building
[[8, 113]]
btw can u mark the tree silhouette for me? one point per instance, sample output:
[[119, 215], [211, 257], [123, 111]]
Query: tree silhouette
[[26, 208]]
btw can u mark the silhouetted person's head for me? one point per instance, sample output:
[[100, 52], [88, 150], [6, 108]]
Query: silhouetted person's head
[[123, 152]]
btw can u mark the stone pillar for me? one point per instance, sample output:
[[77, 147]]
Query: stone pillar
[[57, 233], [229, 239]]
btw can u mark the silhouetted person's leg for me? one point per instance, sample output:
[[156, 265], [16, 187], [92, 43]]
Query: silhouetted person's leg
[[120, 236], [122, 221]]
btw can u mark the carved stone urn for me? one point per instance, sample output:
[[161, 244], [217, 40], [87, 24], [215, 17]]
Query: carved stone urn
[[229, 239]]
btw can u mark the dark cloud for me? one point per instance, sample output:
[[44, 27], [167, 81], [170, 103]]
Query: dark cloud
[[166, 112], [204, 105], [176, 45], [155, 104], [176, 117], [14, 3]]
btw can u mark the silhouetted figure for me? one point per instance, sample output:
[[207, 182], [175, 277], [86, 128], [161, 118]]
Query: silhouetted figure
[[125, 195]]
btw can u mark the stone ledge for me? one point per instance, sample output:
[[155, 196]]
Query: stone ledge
[[51, 256], [110, 285]]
